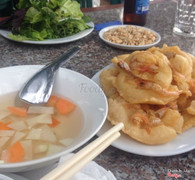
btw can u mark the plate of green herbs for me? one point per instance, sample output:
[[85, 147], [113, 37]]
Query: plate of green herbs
[[46, 22]]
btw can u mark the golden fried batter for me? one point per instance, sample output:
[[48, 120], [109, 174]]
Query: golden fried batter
[[107, 78], [136, 90], [136, 125], [148, 66], [182, 66], [152, 92]]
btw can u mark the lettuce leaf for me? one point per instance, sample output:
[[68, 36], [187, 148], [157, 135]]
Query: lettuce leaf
[[68, 8], [33, 16], [48, 19]]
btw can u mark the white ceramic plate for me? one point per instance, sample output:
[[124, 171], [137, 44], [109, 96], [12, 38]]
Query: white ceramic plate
[[67, 39], [128, 47], [182, 143], [9, 176], [79, 88]]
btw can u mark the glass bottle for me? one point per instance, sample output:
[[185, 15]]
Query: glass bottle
[[135, 12]]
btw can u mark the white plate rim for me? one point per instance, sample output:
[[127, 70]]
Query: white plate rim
[[128, 47], [67, 39], [181, 144]]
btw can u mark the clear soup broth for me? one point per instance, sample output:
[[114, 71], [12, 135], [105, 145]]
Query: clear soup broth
[[28, 133]]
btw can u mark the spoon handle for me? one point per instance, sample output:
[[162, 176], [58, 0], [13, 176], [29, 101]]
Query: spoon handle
[[54, 65]]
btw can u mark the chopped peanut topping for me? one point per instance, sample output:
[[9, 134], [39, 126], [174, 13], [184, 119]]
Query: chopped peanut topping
[[130, 35]]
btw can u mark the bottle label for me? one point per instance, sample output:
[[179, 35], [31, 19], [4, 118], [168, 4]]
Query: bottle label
[[141, 6]]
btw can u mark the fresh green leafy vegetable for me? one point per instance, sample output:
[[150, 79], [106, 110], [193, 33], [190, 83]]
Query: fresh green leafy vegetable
[[47, 19]]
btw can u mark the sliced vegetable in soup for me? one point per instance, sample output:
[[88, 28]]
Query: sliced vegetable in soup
[[32, 132]]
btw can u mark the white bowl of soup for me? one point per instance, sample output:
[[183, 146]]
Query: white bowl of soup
[[32, 137]]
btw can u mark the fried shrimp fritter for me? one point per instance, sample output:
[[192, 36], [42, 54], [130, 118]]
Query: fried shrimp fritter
[[148, 66], [182, 66], [107, 79], [135, 90], [139, 124], [152, 92]]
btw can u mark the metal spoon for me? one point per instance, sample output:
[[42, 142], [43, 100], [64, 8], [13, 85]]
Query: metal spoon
[[38, 89]]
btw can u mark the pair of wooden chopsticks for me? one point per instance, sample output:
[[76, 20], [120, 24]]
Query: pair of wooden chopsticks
[[67, 169]]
